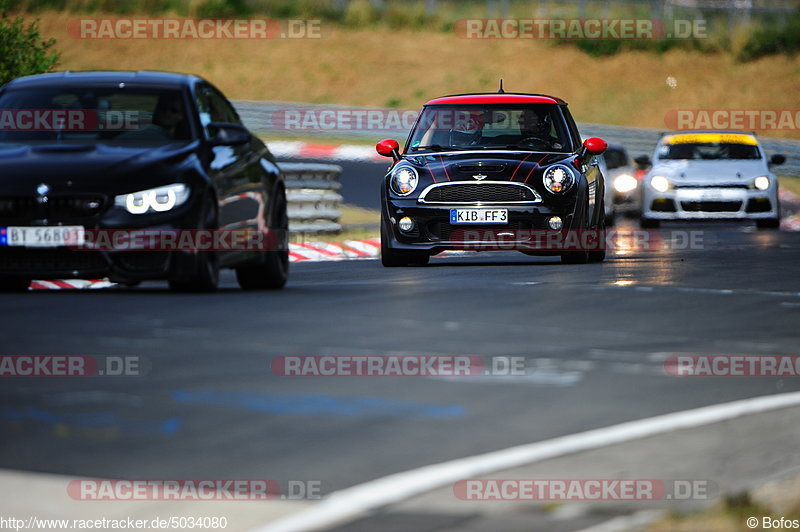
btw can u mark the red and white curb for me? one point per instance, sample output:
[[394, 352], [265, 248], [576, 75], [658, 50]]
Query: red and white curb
[[308, 150], [328, 251], [70, 284], [302, 252], [793, 222], [787, 196]]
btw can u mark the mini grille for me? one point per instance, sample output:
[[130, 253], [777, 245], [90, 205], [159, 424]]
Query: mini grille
[[475, 193]]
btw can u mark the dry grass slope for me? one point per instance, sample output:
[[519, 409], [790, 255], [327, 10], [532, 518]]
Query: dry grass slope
[[404, 68]]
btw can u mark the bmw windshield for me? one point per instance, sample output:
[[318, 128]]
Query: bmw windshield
[[535, 127], [85, 114]]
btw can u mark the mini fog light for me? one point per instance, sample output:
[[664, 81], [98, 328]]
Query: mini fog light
[[555, 223], [405, 224]]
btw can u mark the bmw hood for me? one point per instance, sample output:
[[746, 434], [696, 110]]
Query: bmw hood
[[710, 172], [105, 168]]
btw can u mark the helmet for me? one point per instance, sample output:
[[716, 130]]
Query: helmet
[[467, 128]]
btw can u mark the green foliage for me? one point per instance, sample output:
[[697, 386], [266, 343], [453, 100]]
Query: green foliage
[[224, 9], [607, 47], [772, 39], [23, 51]]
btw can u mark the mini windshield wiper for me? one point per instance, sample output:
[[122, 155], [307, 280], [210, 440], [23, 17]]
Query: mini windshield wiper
[[528, 147], [434, 147]]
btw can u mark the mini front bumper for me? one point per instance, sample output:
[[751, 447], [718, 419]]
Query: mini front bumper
[[434, 233]]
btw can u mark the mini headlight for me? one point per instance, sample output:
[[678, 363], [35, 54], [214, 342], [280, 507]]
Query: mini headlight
[[558, 179], [159, 199], [625, 183], [404, 180], [659, 183], [761, 182]]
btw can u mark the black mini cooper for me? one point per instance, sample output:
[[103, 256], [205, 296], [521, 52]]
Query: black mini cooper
[[492, 172]]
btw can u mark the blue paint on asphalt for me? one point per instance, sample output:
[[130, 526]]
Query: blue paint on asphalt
[[167, 427], [286, 404]]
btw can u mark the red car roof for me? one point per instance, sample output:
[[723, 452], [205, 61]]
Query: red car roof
[[494, 98]]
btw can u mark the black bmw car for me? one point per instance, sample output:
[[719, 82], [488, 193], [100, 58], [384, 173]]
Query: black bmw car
[[492, 172], [91, 161]]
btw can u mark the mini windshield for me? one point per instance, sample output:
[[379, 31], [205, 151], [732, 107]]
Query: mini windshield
[[536, 127], [93, 115]]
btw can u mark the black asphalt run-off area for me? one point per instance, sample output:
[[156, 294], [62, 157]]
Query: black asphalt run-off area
[[210, 407]]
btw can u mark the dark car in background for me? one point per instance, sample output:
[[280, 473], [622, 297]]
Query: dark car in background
[[483, 169], [624, 188], [134, 151]]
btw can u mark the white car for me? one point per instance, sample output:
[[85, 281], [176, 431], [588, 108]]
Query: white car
[[623, 193], [719, 175]]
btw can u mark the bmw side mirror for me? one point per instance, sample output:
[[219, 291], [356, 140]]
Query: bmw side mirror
[[388, 148], [226, 134], [777, 159]]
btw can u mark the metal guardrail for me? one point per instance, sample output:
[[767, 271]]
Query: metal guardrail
[[313, 197], [258, 116]]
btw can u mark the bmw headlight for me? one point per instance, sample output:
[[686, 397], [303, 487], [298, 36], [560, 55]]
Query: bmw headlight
[[404, 180], [660, 183], [558, 179], [761, 182], [625, 183], [161, 199]]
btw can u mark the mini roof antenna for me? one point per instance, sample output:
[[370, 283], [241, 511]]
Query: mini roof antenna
[[501, 91]]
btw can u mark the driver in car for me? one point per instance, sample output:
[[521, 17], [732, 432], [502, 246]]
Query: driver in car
[[168, 122], [467, 129], [535, 129]]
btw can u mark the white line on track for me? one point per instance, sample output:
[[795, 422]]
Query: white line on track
[[352, 503]]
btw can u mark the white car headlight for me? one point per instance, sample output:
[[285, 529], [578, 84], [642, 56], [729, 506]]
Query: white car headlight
[[625, 183], [761, 182], [404, 180], [659, 183], [558, 179], [161, 199]]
